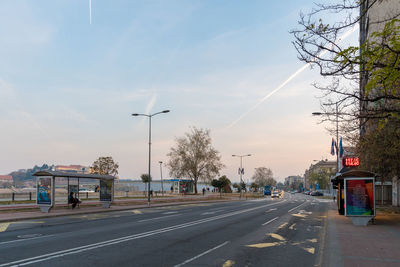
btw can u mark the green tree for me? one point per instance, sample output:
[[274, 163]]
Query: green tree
[[145, 179], [194, 157], [254, 186], [379, 150], [322, 178], [236, 186], [105, 166], [222, 184]]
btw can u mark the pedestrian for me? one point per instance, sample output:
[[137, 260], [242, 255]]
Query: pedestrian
[[172, 189], [334, 198], [204, 191], [73, 200]]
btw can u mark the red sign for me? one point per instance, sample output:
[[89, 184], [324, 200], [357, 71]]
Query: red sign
[[351, 162]]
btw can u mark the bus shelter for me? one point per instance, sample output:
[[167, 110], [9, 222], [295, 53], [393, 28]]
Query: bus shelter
[[356, 195], [46, 181], [182, 186]]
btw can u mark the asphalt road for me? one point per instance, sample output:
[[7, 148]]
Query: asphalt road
[[264, 232]]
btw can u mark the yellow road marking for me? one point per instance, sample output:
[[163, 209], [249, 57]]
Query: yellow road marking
[[314, 240], [300, 215], [137, 211], [310, 250], [282, 226], [4, 226], [265, 245], [276, 236], [292, 226], [228, 263], [30, 222]]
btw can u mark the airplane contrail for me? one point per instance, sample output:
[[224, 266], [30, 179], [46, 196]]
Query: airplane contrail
[[90, 12], [291, 77]]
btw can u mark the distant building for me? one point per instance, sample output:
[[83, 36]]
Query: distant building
[[6, 178], [72, 169], [322, 165], [294, 180]]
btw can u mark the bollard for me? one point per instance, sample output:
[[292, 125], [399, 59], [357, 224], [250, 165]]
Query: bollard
[[30, 195], [87, 195], [13, 196]]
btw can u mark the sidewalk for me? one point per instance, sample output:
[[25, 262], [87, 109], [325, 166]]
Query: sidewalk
[[377, 244], [33, 211]]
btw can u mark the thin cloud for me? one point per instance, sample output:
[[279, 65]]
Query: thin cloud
[[291, 77]]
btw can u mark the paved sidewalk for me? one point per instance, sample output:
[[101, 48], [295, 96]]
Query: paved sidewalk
[[63, 210], [377, 244]]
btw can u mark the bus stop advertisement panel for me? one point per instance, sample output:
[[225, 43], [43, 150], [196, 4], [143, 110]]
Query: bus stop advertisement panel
[[106, 192], [359, 199], [45, 193]]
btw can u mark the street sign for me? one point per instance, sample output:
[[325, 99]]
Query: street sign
[[316, 186]]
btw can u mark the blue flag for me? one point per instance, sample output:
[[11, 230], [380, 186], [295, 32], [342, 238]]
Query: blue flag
[[333, 147], [341, 150]]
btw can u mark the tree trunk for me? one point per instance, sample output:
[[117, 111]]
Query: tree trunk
[[195, 185]]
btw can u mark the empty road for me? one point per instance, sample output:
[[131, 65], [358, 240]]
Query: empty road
[[281, 232]]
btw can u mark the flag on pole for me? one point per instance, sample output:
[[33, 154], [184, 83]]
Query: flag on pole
[[333, 147], [242, 170], [341, 151]]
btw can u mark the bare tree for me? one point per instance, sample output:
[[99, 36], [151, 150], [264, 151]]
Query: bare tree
[[362, 78], [194, 157], [263, 176]]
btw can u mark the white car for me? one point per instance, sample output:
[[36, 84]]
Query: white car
[[275, 194]]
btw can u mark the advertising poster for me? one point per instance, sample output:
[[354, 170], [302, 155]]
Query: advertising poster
[[105, 190], [44, 191], [359, 197]]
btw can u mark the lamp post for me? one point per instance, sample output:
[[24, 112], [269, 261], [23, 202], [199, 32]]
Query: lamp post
[[162, 185], [149, 116], [337, 132], [241, 169]]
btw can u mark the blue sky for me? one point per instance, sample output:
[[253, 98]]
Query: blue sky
[[68, 87]]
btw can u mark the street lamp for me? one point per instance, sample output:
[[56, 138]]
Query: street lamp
[[240, 171], [337, 131], [149, 116], [162, 185]]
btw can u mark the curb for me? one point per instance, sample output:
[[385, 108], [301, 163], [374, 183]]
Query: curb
[[48, 215]]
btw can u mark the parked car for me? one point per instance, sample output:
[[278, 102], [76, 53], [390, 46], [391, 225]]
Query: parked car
[[316, 193], [306, 192]]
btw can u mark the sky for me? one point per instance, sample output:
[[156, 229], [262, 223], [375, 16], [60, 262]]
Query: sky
[[73, 71]]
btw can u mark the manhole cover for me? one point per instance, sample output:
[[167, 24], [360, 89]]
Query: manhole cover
[[29, 235]]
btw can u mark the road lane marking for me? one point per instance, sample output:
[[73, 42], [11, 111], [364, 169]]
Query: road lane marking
[[282, 225], [24, 239], [110, 242], [309, 250], [270, 221], [208, 213], [265, 245], [292, 226], [202, 254], [4, 226], [276, 236], [170, 212], [158, 218], [296, 207], [271, 210], [228, 263], [137, 212]]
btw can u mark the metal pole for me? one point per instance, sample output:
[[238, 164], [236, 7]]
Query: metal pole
[[241, 181], [162, 185], [337, 138], [148, 189]]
